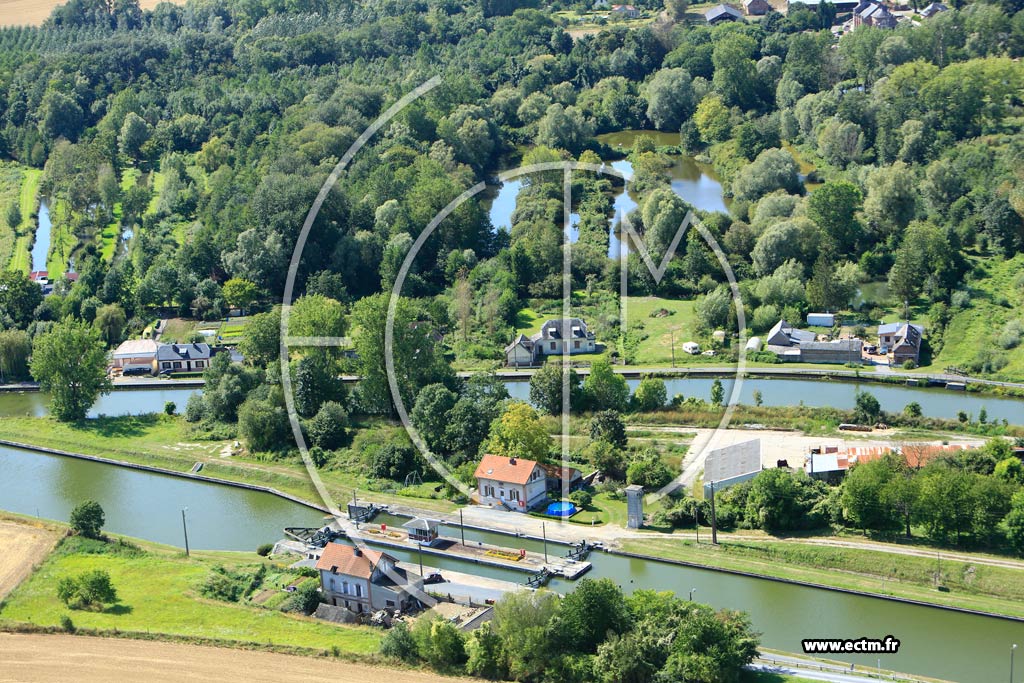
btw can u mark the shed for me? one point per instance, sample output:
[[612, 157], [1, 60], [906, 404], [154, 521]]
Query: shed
[[821, 319], [722, 13], [422, 530], [754, 344]]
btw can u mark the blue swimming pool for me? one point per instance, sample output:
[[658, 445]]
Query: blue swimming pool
[[562, 508]]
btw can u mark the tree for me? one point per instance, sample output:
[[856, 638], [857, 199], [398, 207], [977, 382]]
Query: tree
[[593, 610], [773, 169], [329, 427], [393, 461], [13, 216], [264, 426], [484, 656], [671, 99], [430, 415], [519, 433], [19, 297], [676, 10], [15, 350], [945, 504], [650, 395], [648, 470], [87, 519], [712, 119], [604, 389], [70, 361], [398, 643], [865, 495], [135, 132], [564, 128], [866, 408], [717, 392], [891, 200], [240, 293], [607, 425], [1013, 523], [735, 74], [261, 343], [1010, 469], [546, 388], [833, 207], [779, 500], [110, 321], [521, 620], [712, 311], [439, 642]]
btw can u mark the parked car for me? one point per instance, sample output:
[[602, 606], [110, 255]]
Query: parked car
[[434, 578]]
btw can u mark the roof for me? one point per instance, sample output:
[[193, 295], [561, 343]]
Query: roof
[[183, 352], [137, 347], [819, 463], [753, 344], [421, 523], [915, 455], [834, 345], [566, 473], [38, 275], [342, 559], [748, 3], [795, 336], [722, 12], [553, 329], [934, 8], [522, 339], [723, 464], [500, 468]]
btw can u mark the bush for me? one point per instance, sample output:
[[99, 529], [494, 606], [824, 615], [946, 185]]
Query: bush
[[909, 364], [195, 408], [170, 408], [1010, 336], [581, 499], [328, 428], [912, 409], [87, 519], [90, 589], [650, 395], [305, 599], [398, 643], [264, 549], [66, 624], [223, 584]]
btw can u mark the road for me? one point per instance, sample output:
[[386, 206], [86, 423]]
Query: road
[[32, 658], [819, 671]]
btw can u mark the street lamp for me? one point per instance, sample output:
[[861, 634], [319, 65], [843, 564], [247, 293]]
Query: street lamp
[[1012, 650], [692, 591], [184, 528]]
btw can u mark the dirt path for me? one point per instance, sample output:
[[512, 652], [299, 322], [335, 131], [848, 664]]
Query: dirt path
[[23, 545], [38, 658]]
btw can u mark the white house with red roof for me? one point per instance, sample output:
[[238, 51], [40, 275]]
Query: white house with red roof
[[516, 483], [364, 580]]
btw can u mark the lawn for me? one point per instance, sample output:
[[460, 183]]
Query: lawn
[[974, 586], [157, 592], [111, 234], [10, 189]]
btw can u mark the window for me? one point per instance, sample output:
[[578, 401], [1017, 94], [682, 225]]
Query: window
[[359, 591], [552, 346], [332, 584], [199, 363], [344, 586], [389, 603], [167, 366], [177, 365], [576, 344], [515, 494]]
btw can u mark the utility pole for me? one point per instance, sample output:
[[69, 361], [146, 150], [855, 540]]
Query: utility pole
[[696, 519], [544, 531], [1012, 650], [673, 331], [184, 527], [419, 547], [714, 517], [462, 527]]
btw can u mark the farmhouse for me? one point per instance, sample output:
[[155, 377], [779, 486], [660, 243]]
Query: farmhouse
[[756, 8], [721, 13], [933, 9], [627, 11], [556, 336], [364, 580], [873, 14], [903, 341], [173, 358], [514, 483]]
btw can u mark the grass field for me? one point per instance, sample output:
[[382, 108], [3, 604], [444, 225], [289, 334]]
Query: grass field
[[18, 186], [987, 588], [158, 593], [63, 240], [34, 12]]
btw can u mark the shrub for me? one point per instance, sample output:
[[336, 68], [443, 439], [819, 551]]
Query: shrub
[[912, 409], [66, 624], [170, 408], [328, 428], [581, 499], [398, 643], [223, 584], [264, 549], [909, 364], [195, 408], [305, 599], [1010, 336], [90, 589]]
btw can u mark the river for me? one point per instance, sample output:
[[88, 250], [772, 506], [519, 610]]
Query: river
[[938, 643]]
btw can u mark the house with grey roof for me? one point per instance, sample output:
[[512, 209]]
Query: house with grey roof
[[802, 346], [902, 340], [171, 358], [556, 336], [933, 9], [722, 13], [873, 14], [756, 8]]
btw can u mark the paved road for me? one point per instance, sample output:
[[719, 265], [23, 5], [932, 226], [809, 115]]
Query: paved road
[[823, 671]]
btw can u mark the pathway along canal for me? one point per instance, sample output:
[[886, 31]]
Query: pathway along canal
[[939, 643], [935, 402]]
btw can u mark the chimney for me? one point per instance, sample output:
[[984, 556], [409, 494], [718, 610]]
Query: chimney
[[357, 552]]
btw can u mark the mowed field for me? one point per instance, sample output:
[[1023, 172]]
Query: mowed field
[[23, 545], [34, 12], [31, 658]]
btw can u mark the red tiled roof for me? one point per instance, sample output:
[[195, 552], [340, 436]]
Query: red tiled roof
[[342, 559], [500, 468], [915, 455]]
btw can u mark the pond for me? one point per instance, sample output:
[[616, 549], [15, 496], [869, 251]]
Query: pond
[[695, 183]]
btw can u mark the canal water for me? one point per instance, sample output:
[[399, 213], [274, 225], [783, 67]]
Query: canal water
[[41, 247], [935, 402], [147, 505]]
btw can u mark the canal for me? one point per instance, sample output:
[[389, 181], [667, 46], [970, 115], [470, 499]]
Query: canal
[[41, 246], [935, 402], [939, 643]]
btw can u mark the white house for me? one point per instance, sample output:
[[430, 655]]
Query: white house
[[364, 580], [553, 339], [628, 11], [516, 483], [183, 357]]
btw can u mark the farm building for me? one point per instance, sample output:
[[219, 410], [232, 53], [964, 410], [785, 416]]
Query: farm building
[[821, 319], [732, 465]]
